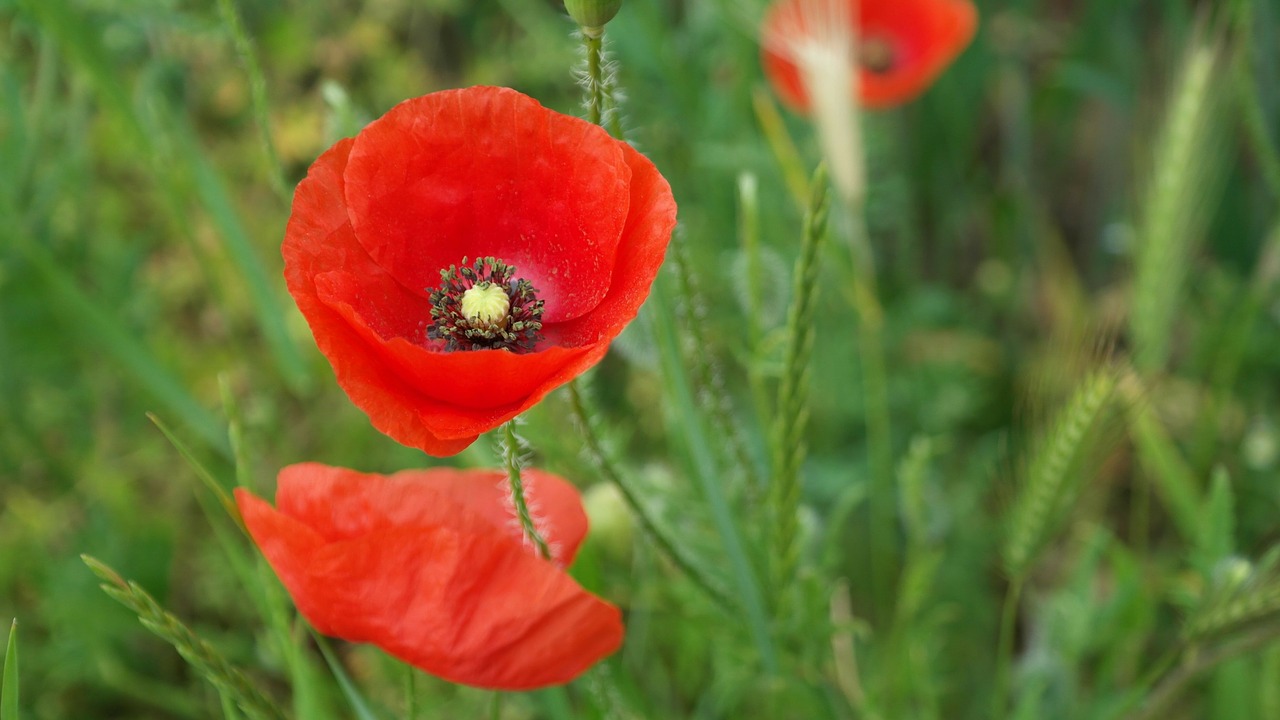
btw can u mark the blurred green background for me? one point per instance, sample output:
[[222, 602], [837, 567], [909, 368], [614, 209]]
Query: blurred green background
[[141, 211]]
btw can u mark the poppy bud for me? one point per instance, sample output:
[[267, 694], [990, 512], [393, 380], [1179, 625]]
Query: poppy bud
[[592, 13]]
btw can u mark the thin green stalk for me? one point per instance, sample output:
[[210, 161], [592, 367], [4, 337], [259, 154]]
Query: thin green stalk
[[358, 704], [689, 429], [783, 147], [257, 92], [749, 236], [595, 81], [9, 682], [882, 503], [1004, 649], [1251, 114], [605, 464], [513, 447], [704, 370], [792, 411]]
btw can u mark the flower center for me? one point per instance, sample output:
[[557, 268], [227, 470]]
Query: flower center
[[875, 54], [486, 303], [484, 306]]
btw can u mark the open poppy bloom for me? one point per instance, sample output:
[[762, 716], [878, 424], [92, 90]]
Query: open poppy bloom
[[897, 47], [467, 253], [432, 567]]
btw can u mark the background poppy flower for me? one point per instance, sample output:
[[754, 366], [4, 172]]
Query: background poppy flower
[[431, 566], [899, 46], [440, 181]]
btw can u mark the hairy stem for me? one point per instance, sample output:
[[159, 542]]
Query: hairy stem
[[512, 447]]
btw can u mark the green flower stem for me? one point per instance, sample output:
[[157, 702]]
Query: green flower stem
[[605, 464], [696, 443], [593, 41], [257, 93], [511, 448], [882, 501], [1252, 116], [1004, 651]]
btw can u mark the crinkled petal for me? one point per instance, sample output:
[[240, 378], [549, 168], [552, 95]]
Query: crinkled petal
[[318, 241], [456, 597], [644, 245], [924, 36], [489, 171], [339, 503]]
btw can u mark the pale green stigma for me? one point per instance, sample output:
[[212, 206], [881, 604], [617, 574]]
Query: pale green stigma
[[487, 303]]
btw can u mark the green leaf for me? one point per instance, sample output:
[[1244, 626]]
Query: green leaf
[[9, 685]]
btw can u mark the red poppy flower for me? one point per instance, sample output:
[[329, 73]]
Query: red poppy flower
[[431, 566], [901, 45], [467, 253]]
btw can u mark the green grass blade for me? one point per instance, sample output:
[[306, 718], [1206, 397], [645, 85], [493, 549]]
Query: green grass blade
[[267, 307], [1174, 480], [206, 477], [257, 91], [9, 685], [359, 705], [696, 442]]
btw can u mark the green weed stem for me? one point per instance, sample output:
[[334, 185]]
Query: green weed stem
[[792, 411], [602, 458], [882, 500], [257, 92], [1004, 648]]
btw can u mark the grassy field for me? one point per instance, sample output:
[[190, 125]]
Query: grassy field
[[1061, 501]]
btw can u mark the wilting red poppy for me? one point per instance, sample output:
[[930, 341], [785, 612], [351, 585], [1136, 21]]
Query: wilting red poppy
[[898, 46], [467, 253], [431, 566]]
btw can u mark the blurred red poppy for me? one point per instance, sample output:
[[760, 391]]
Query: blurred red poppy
[[431, 566], [898, 46], [467, 253]]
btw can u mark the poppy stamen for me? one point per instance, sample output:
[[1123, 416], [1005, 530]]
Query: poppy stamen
[[484, 306]]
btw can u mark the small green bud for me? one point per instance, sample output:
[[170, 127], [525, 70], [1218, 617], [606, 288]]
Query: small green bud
[[592, 14]]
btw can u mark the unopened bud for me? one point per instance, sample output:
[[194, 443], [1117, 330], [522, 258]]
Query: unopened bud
[[592, 14]]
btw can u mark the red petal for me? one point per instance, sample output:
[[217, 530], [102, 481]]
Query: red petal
[[644, 244], [371, 327], [456, 599], [489, 171], [319, 240], [926, 35], [339, 503]]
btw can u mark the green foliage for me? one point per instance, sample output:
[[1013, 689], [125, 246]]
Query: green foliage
[[1087, 164]]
